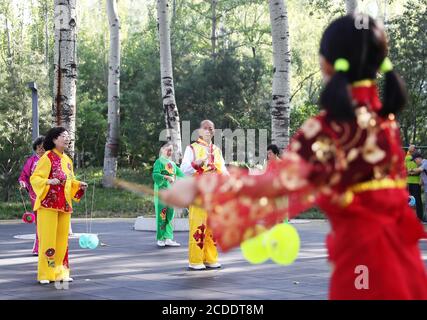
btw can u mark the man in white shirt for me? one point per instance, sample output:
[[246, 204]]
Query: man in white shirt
[[202, 157]]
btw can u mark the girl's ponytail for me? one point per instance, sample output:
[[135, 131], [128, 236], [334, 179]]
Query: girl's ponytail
[[394, 95], [335, 97]]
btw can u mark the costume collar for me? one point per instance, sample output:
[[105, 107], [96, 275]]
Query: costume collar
[[56, 151], [203, 142], [365, 92]]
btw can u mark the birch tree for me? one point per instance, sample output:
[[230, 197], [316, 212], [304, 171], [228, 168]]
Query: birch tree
[[65, 68], [213, 28], [168, 92], [351, 6], [280, 109], [113, 129]]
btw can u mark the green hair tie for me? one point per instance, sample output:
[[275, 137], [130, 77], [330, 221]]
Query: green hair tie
[[386, 66], [342, 65]]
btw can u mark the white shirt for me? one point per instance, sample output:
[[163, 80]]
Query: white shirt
[[188, 158]]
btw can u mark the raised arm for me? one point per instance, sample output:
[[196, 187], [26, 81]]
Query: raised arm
[[158, 177], [40, 177], [78, 188], [238, 203], [24, 178], [187, 162]]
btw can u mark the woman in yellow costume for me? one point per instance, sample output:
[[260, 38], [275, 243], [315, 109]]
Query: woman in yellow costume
[[55, 186], [202, 157]]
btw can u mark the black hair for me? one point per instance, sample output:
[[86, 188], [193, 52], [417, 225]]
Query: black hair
[[165, 143], [38, 141], [365, 48], [274, 149], [417, 155], [51, 135]]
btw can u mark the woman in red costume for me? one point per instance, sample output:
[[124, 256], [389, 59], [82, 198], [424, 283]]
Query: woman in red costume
[[348, 161]]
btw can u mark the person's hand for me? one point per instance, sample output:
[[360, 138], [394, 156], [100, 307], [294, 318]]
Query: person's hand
[[201, 162], [83, 185], [170, 179], [181, 194], [22, 185], [53, 181]]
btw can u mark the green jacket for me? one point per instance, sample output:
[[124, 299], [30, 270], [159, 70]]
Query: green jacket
[[410, 164], [165, 167]]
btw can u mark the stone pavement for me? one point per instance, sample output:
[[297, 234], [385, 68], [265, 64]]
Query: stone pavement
[[130, 266]]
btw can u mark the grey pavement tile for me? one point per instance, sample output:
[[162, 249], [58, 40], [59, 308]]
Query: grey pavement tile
[[132, 267]]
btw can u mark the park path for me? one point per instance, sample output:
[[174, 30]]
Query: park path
[[130, 266]]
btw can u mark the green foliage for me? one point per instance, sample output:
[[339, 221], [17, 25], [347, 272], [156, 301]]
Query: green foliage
[[408, 39], [232, 85]]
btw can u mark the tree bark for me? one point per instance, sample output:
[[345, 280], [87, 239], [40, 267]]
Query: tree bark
[[351, 6], [214, 27], [46, 32], [65, 68], [113, 130], [168, 92], [280, 109]]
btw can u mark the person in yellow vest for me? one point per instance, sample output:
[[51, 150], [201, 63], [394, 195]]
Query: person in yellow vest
[[202, 157], [413, 180], [55, 186]]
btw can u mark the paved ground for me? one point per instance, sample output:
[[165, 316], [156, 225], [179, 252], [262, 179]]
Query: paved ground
[[130, 266]]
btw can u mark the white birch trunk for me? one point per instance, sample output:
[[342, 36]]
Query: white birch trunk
[[46, 33], [168, 92], [213, 31], [113, 130], [280, 109], [65, 68], [351, 6]]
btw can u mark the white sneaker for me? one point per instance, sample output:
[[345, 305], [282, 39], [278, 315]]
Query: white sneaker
[[215, 265], [68, 279], [44, 281], [197, 266], [170, 242], [161, 243]]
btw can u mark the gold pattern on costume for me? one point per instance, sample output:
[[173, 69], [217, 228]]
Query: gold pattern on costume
[[281, 203], [352, 154], [363, 117], [354, 140], [291, 179], [336, 177], [226, 212], [346, 198], [371, 152], [263, 201], [277, 184], [336, 127], [323, 148], [378, 184], [230, 236], [345, 135], [381, 172], [386, 183], [311, 128]]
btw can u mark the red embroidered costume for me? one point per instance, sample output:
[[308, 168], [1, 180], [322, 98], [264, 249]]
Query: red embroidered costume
[[354, 171]]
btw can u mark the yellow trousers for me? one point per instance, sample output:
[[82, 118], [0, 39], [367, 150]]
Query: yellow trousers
[[201, 245], [52, 228]]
